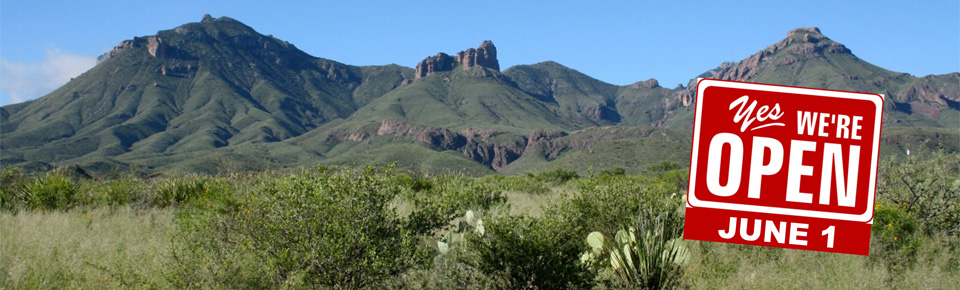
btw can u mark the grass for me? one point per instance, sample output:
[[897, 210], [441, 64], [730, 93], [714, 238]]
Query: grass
[[107, 247], [729, 266]]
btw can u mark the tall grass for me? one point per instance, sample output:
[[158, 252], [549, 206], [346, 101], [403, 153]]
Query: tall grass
[[106, 247], [729, 266]]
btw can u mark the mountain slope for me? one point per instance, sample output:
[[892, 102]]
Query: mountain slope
[[577, 96], [197, 87]]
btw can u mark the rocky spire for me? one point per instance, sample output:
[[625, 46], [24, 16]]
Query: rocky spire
[[484, 56], [431, 64]]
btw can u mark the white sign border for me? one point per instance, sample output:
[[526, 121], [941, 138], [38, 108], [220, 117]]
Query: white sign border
[[693, 201]]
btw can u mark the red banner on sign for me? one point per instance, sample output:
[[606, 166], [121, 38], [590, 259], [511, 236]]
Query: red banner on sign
[[796, 166]]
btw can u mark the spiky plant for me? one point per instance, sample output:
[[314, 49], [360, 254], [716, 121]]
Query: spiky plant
[[649, 255]]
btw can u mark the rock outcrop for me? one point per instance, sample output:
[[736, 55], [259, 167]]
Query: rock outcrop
[[476, 144], [647, 84], [155, 47], [437, 63], [929, 95], [471, 143], [484, 56]]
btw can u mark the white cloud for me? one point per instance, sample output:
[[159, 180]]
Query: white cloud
[[22, 81]]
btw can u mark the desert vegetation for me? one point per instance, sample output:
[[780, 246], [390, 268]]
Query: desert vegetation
[[388, 228]]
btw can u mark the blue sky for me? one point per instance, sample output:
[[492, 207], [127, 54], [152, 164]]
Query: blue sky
[[44, 43]]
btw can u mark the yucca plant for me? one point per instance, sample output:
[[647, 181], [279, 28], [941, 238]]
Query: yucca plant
[[53, 190]]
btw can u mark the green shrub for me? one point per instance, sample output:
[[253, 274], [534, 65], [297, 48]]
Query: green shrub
[[119, 191], [521, 183], [316, 229], [663, 166], [614, 171], [53, 190], [449, 198], [558, 176], [447, 271], [895, 228], [177, 190], [609, 203], [12, 184], [925, 185], [520, 252], [415, 183]]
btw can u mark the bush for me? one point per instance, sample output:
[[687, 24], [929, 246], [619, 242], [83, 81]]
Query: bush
[[927, 186], [609, 203], [12, 184], [316, 229], [115, 192], [614, 171], [446, 272], [557, 176], [53, 190], [663, 166], [178, 190], [528, 183], [449, 198], [528, 253]]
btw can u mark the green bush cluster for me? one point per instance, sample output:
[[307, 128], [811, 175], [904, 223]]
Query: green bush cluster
[[556, 176], [55, 189], [533, 182], [521, 252], [927, 188], [918, 199], [336, 228], [62, 189]]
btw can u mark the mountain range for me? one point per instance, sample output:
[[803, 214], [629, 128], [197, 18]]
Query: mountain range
[[217, 96]]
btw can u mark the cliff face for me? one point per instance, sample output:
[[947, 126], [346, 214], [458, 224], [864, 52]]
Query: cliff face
[[484, 56], [437, 63], [474, 144], [481, 145]]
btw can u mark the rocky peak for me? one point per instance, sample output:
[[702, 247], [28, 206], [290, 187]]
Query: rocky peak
[[647, 84], [431, 64], [814, 30], [484, 56], [805, 40], [800, 43]]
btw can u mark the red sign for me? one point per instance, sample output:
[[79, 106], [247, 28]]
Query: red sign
[[782, 166]]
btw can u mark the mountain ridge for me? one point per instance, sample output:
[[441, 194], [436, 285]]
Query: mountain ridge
[[218, 90]]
